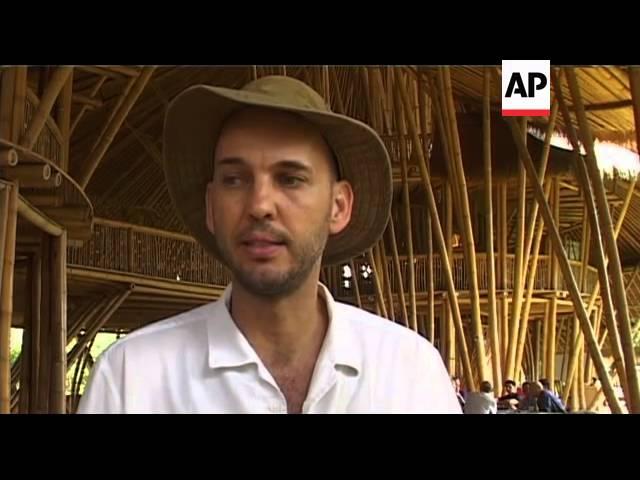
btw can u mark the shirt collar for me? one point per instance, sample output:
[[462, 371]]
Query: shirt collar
[[228, 347]]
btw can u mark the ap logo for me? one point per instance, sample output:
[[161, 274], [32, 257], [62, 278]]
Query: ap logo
[[526, 88]]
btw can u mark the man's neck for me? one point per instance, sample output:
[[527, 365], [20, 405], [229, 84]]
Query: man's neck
[[283, 330]]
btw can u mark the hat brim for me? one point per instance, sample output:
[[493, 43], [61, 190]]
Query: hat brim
[[191, 130]]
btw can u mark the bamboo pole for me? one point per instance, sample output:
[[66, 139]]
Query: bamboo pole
[[92, 330], [565, 267], [36, 218], [398, 272], [617, 278], [387, 279], [494, 342], [411, 268], [113, 127], [431, 202], [518, 273], [49, 96], [376, 282], [63, 119], [601, 262], [550, 372], [9, 225], [35, 322], [44, 365], [502, 257], [23, 363], [354, 276], [430, 327], [58, 338], [467, 231], [449, 324]]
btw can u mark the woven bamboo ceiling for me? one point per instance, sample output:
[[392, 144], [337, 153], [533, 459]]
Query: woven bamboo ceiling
[[129, 183]]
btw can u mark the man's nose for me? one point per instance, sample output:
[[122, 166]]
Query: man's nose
[[262, 201]]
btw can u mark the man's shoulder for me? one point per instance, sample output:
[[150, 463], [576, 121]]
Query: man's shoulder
[[370, 327], [166, 333]]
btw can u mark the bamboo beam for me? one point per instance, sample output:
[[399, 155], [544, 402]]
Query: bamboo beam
[[8, 226], [565, 267], [113, 127], [431, 202], [38, 219], [97, 324], [63, 120], [467, 231], [617, 278], [398, 272], [387, 279], [494, 341], [376, 282], [57, 401], [411, 268], [601, 261], [49, 96]]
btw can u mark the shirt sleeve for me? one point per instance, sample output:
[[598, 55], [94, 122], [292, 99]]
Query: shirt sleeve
[[101, 394]]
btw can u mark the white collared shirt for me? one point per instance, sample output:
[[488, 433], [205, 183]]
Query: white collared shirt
[[200, 362]]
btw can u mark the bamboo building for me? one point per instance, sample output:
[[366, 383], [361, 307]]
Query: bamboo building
[[516, 257]]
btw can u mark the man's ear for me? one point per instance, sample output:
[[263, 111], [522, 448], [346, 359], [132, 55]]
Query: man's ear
[[208, 198], [341, 206]]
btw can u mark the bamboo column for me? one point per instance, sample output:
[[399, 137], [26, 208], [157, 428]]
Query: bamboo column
[[58, 338], [530, 268], [35, 323], [44, 366], [600, 259], [387, 279], [424, 109], [446, 266], [411, 268], [467, 231], [550, 372], [494, 341], [8, 226], [565, 267], [376, 282], [619, 295], [449, 326], [398, 271], [354, 276], [502, 258], [518, 273], [49, 96], [430, 327]]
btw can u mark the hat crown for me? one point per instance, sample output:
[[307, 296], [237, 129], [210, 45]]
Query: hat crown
[[288, 91]]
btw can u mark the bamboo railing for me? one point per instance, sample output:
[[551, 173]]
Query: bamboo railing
[[460, 275], [123, 247]]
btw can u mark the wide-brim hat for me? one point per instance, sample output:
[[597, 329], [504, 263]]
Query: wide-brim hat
[[192, 125]]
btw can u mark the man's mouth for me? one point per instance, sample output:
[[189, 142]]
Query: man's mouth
[[262, 247]]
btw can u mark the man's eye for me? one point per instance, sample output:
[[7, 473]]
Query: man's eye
[[291, 180], [231, 180]]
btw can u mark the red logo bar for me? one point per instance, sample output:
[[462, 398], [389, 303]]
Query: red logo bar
[[525, 113]]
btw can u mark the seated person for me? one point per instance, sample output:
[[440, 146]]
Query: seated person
[[482, 402], [549, 401], [509, 400]]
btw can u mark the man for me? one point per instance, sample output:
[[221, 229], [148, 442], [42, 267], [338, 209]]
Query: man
[[482, 402], [509, 401], [548, 401], [273, 184], [455, 381]]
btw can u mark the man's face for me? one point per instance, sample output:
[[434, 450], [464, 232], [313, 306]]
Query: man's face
[[509, 388], [273, 200]]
